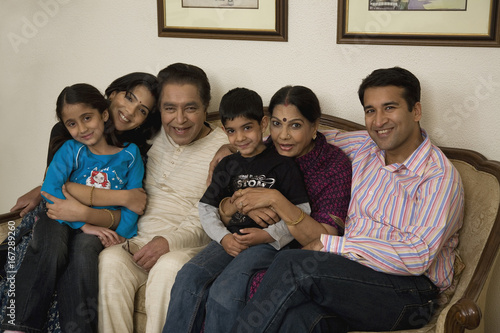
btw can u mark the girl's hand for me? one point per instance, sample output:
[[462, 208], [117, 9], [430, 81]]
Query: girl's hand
[[28, 201], [257, 197], [136, 200], [231, 245], [106, 236], [70, 210], [253, 236]]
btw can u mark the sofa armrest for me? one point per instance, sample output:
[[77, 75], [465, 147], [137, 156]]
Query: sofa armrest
[[464, 314]]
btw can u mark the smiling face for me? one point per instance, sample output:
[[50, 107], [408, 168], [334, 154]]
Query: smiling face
[[85, 124], [291, 132], [391, 124], [246, 135], [183, 113], [130, 109]]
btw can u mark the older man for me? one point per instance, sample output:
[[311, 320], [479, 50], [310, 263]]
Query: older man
[[169, 233]]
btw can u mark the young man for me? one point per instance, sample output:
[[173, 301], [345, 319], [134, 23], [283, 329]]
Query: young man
[[397, 252], [240, 247], [169, 233]]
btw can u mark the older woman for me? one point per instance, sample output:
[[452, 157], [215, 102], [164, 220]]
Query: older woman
[[295, 113]]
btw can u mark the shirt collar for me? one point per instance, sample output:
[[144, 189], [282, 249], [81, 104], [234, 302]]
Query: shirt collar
[[414, 162]]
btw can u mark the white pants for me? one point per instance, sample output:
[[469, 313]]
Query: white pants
[[120, 278]]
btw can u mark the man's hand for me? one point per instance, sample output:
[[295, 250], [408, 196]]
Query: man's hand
[[231, 245], [223, 151], [253, 236], [28, 201], [151, 252], [70, 210]]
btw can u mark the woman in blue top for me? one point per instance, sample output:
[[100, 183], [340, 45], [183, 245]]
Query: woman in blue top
[[95, 158]]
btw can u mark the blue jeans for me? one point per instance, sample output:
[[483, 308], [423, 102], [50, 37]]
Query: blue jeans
[[60, 259], [310, 291], [212, 288]]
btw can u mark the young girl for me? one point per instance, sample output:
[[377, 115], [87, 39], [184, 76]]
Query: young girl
[[59, 248]]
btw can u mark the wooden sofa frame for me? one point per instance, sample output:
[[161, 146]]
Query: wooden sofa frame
[[465, 312]]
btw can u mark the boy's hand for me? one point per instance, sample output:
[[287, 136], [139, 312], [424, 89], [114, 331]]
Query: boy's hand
[[253, 236], [106, 236], [231, 245]]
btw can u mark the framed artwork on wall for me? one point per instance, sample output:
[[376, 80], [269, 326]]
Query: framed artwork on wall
[[265, 20], [419, 22]]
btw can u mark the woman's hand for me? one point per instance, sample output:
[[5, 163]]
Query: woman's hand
[[264, 216], [28, 201], [315, 245], [106, 236], [137, 199], [253, 236], [249, 199], [70, 210]]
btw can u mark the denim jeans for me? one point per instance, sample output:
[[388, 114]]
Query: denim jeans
[[212, 288], [57, 258], [310, 291]]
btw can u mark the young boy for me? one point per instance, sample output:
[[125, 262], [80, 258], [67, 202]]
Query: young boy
[[242, 248], [254, 165]]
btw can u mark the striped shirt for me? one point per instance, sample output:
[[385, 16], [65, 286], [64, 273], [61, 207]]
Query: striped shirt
[[403, 218]]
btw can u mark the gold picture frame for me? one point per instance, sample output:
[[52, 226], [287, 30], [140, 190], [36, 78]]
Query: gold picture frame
[[269, 22], [478, 25]]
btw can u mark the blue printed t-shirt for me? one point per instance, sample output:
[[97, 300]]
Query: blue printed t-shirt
[[74, 162]]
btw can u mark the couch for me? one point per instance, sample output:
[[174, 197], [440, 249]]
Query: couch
[[477, 250]]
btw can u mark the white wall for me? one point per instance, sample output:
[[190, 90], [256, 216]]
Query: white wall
[[48, 44]]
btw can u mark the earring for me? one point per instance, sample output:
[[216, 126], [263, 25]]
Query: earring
[[314, 136]]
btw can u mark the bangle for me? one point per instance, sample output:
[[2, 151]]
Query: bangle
[[221, 211], [301, 217], [91, 194], [112, 218]]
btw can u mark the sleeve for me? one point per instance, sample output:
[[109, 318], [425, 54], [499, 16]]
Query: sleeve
[[211, 222], [189, 233], [128, 221], [332, 182], [291, 185], [59, 171], [349, 142], [411, 249], [280, 232]]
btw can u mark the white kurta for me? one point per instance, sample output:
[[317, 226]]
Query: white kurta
[[175, 182]]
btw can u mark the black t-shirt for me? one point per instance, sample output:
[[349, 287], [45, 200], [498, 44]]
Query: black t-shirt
[[267, 169]]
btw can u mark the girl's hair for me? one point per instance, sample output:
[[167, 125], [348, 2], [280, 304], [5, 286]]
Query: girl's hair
[[83, 93], [152, 124], [301, 97]]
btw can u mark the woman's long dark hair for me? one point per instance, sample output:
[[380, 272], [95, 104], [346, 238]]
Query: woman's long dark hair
[[83, 93], [152, 124]]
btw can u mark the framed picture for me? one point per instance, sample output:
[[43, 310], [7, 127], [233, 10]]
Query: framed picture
[[264, 20], [419, 22]]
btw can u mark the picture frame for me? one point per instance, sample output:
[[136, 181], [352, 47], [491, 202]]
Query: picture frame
[[269, 22], [477, 26]]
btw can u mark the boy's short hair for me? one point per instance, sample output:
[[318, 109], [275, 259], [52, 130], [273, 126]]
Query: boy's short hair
[[241, 102]]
